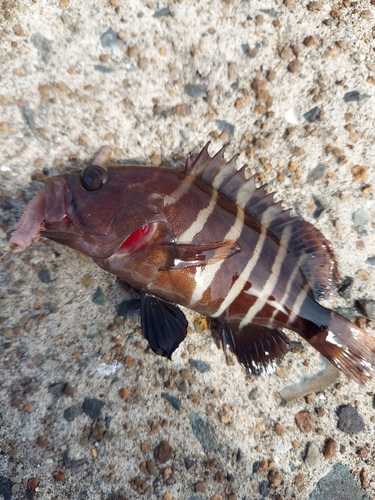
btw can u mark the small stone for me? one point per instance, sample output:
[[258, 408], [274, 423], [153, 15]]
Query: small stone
[[305, 421], [313, 6], [45, 275], [360, 218], [365, 14], [350, 420], [274, 478], [316, 173], [330, 449], [98, 297], [189, 463], [232, 71], [93, 407], [175, 402], [345, 287], [200, 487], [200, 365], [254, 393], [359, 173], [151, 467], [109, 38], [355, 96], [312, 456], [368, 308], [58, 476], [279, 429], [258, 85], [163, 452], [32, 483], [163, 12], [71, 413], [203, 433], [310, 41], [18, 30], [263, 488], [286, 54], [294, 66], [195, 90], [42, 442], [312, 115], [224, 126]]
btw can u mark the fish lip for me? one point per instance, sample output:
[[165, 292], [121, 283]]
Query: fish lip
[[56, 190]]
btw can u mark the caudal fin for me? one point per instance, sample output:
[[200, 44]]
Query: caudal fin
[[348, 347]]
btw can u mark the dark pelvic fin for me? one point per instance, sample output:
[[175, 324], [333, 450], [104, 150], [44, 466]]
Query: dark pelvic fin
[[348, 348], [163, 324], [188, 255], [258, 348], [307, 245]]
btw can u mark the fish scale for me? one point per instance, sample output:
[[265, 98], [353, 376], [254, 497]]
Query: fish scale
[[207, 238]]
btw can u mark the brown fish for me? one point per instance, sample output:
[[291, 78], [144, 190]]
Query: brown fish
[[206, 238]]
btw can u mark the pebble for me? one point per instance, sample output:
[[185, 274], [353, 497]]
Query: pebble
[[163, 12], [313, 6], [200, 365], [163, 452], [71, 413], [195, 90], [263, 488], [45, 275], [57, 389], [305, 421], [93, 407], [312, 458], [310, 41], [203, 433], [175, 402], [368, 308], [43, 45], [330, 449], [274, 478], [109, 38], [294, 66], [224, 126], [98, 297], [359, 173], [360, 217], [189, 463], [338, 483], [350, 420], [312, 115], [316, 173], [355, 96], [345, 287]]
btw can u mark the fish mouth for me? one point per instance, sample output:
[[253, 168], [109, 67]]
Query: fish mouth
[[46, 213]]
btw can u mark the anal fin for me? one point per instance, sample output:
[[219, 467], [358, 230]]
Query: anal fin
[[258, 348], [163, 324]]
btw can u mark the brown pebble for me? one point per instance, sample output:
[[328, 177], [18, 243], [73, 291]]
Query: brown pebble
[[330, 449], [156, 159], [163, 452], [258, 85], [129, 361], [359, 173], [279, 429], [320, 411], [132, 51], [274, 478], [68, 390], [32, 483], [200, 487], [143, 63], [365, 479], [45, 90], [310, 41], [42, 442], [167, 496], [151, 467], [294, 66], [362, 453], [286, 54], [83, 139], [145, 447], [232, 71], [18, 30], [305, 421], [58, 476], [314, 6], [365, 14], [271, 75]]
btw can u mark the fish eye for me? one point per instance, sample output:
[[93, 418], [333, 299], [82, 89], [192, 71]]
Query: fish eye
[[93, 178]]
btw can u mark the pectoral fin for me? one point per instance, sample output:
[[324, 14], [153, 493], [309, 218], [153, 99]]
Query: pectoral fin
[[163, 324], [258, 348], [181, 255]]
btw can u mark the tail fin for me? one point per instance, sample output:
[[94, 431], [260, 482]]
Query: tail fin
[[348, 347]]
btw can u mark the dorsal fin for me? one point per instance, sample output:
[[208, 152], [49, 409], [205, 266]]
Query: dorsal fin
[[307, 245]]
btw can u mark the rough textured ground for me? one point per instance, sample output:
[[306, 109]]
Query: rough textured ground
[[154, 81]]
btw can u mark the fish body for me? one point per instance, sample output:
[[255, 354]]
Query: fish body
[[207, 238]]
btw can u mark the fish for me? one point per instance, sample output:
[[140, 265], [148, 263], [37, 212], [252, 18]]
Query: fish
[[209, 238]]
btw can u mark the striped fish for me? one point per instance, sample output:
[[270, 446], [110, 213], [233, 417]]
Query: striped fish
[[207, 238]]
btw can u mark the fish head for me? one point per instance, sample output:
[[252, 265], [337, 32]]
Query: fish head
[[99, 211]]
